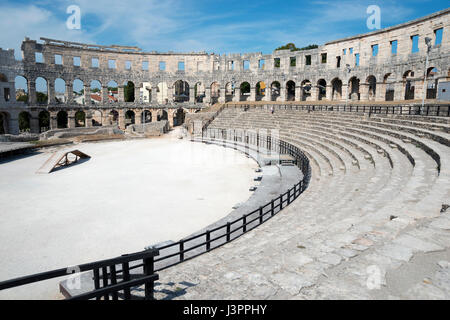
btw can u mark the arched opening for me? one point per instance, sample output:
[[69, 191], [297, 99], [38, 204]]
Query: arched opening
[[96, 92], [199, 92], [146, 116], [290, 91], [163, 115], [372, 87], [61, 120], [354, 94], [41, 91], [129, 118], [60, 91], [260, 90], [24, 122], [113, 91], [178, 117], [97, 117], [389, 84], [322, 89], [21, 85], [276, 90], [336, 85], [4, 118], [181, 91], [215, 92], [113, 118], [245, 91], [78, 91], [80, 119], [306, 89], [409, 85], [128, 92], [229, 92], [44, 121], [162, 94], [432, 83]]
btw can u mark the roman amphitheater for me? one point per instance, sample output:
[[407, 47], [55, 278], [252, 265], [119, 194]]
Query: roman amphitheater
[[302, 174]]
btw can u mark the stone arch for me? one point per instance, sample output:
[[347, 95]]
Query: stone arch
[[389, 85], [321, 89], [229, 92], [178, 117], [24, 121], [336, 85], [275, 88], [113, 91], [432, 82], [21, 85], [78, 91], [44, 121], [146, 116], [113, 118], [41, 90], [409, 85], [245, 89], [260, 90], [163, 115], [215, 92], [60, 90], [130, 118], [181, 91], [80, 119], [306, 86], [353, 85], [4, 122], [97, 118], [371, 87], [61, 120], [290, 90]]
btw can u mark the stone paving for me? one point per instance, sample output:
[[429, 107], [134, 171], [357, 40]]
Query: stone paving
[[377, 228]]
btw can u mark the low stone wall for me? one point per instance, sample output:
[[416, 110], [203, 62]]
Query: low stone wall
[[74, 132], [26, 137], [152, 129]]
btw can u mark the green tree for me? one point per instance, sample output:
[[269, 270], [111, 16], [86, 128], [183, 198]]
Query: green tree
[[291, 46], [128, 92]]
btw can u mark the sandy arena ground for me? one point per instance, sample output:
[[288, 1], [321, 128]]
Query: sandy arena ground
[[129, 195]]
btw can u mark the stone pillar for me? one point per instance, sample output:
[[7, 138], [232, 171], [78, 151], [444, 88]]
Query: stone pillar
[[88, 119], [222, 94], [314, 94], [13, 124], [71, 119], [154, 94], [364, 91], [345, 92], [122, 119], [105, 118], [399, 91], [69, 93], [87, 95], [31, 92], [252, 94], [298, 93], [105, 98], [137, 94], [237, 95], [207, 95], [51, 92], [268, 96], [138, 116], [192, 94], [329, 94], [121, 95], [53, 120], [170, 116], [34, 124], [283, 94], [154, 116], [380, 94], [170, 94]]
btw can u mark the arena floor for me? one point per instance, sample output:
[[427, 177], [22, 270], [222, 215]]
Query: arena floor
[[129, 195]]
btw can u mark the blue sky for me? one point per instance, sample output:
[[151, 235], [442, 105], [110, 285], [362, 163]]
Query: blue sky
[[230, 26]]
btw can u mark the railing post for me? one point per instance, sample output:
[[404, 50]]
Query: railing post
[[208, 240], [272, 208], [228, 231], [149, 269], [181, 250], [281, 202], [261, 218], [244, 223]]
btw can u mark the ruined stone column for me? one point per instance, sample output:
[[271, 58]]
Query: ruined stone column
[[69, 93], [283, 94], [345, 93], [170, 117], [88, 119], [71, 119], [34, 123], [105, 98], [31, 92], [170, 94], [154, 94], [222, 93], [252, 94], [237, 95], [13, 124], [121, 95], [87, 95], [137, 94], [122, 119], [329, 94], [268, 96], [138, 116], [51, 92], [399, 93], [298, 93], [314, 94], [207, 95], [53, 120], [381, 92], [364, 92], [192, 94]]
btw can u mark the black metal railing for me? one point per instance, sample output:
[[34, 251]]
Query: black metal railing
[[186, 249], [111, 278], [411, 110]]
